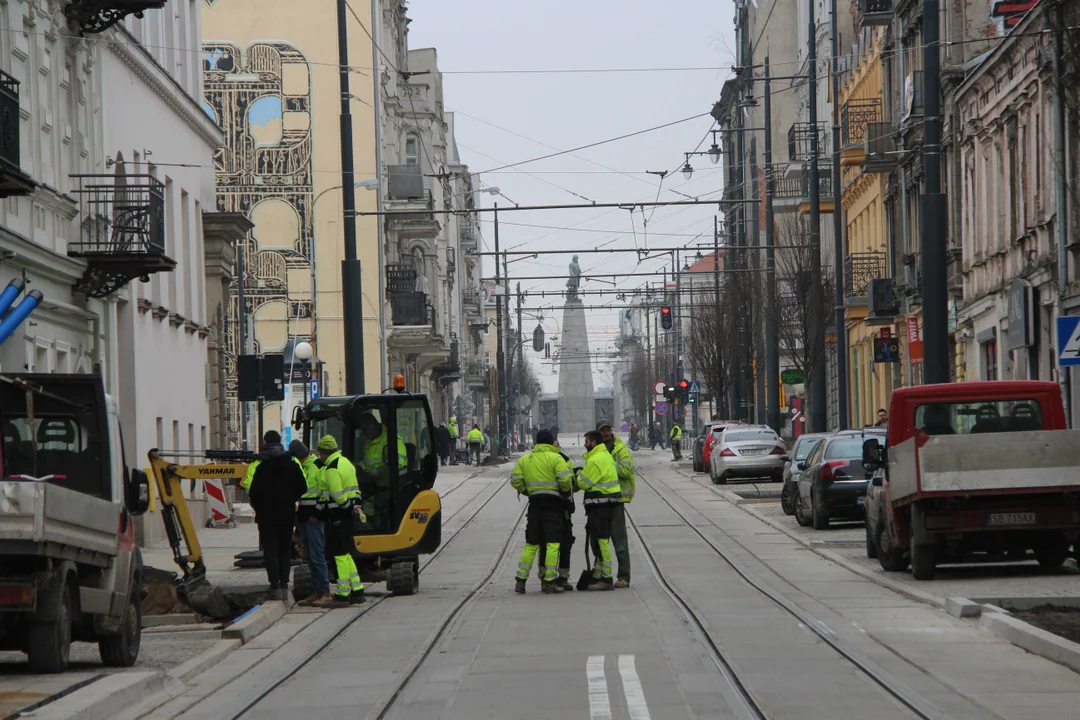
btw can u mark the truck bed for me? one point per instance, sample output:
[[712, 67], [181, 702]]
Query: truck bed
[[56, 520], [990, 463]]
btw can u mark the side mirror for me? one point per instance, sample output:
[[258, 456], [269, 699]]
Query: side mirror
[[872, 456], [298, 417], [877, 480], [803, 465], [137, 493], [785, 458]]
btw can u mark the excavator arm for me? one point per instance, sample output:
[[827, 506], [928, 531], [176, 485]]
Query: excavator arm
[[194, 589]]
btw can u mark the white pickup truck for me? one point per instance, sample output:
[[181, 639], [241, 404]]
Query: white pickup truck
[[69, 567]]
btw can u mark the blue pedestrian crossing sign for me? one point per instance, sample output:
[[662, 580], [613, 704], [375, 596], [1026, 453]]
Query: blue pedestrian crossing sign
[[661, 408], [1068, 341], [695, 386]]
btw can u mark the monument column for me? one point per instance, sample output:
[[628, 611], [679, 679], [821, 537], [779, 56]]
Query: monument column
[[577, 403]]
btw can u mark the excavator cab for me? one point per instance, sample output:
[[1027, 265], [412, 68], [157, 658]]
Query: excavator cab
[[390, 438]]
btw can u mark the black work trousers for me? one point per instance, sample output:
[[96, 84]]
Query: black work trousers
[[566, 546], [276, 540]]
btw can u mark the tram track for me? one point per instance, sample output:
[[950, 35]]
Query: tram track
[[377, 601], [754, 706]]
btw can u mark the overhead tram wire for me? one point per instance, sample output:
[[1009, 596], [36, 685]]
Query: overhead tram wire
[[524, 208]]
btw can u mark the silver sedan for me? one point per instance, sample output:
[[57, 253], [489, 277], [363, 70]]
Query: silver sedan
[[748, 452]]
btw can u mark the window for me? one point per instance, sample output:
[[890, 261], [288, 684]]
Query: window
[[750, 436], [845, 449], [979, 416], [989, 360], [803, 448], [412, 150]]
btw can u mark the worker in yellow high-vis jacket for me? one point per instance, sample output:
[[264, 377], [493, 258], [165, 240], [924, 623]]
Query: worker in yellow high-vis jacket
[[624, 464]]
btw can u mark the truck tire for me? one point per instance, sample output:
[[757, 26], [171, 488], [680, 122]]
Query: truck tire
[[922, 560], [122, 649], [821, 520], [50, 642], [891, 559], [1052, 550]]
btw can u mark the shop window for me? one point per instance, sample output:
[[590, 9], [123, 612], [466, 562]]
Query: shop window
[[990, 360]]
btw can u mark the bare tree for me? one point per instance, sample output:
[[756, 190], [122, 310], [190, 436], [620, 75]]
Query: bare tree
[[709, 346], [639, 381]]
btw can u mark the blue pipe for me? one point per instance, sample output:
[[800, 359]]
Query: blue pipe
[[12, 291], [22, 311]]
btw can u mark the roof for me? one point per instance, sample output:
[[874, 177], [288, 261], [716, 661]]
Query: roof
[[985, 389], [706, 264]]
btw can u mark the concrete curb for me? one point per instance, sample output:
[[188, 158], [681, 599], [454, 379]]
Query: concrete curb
[[256, 622], [104, 699], [1034, 640], [203, 661]]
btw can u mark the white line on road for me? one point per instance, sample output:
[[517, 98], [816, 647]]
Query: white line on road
[[635, 696], [599, 704]]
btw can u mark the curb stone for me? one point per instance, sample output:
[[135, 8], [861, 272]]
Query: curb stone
[[256, 622], [104, 699], [1030, 638], [203, 661]]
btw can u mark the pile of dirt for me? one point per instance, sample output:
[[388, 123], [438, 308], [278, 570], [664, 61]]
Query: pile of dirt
[[1061, 621]]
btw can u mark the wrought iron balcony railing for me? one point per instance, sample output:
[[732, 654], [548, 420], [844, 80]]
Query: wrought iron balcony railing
[[400, 277], [787, 188], [409, 308], [825, 188], [95, 16], [800, 136], [859, 270], [855, 116], [122, 230], [406, 182], [12, 179], [875, 12]]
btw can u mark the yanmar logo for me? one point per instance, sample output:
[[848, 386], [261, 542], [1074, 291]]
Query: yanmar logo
[[215, 472]]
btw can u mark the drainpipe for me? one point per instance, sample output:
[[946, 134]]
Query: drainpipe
[[903, 196], [377, 110]]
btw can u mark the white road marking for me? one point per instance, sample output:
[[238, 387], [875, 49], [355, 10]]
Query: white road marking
[[599, 704], [635, 696]]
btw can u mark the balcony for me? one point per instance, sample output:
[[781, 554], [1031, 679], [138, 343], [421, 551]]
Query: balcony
[[96, 16], [800, 136], [410, 202], [855, 116], [409, 308], [13, 181], [825, 192], [477, 375], [122, 231], [859, 270], [880, 154], [875, 12]]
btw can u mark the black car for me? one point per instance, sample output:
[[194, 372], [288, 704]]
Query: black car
[[799, 452], [833, 480]]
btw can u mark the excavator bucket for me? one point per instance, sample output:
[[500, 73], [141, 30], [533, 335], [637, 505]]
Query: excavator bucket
[[208, 600]]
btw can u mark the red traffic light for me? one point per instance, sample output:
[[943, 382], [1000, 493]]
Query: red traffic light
[[666, 310], [665, 317], [684, 384]]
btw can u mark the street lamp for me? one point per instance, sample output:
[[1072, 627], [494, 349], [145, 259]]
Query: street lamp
[[304, 352], [714, 151], [687, 170]]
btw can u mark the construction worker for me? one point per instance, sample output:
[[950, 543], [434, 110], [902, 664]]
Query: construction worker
[[475, 439], [543, 476], [311, 521], [599, 480], [676, 441], [339, 477], [273, 498], [624, 464], [250, 475], [451, 425], [375, 468], [566, 542]]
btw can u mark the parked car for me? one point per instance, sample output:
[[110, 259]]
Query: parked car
[[699, 446], [748, 452], [799, 452], [833, 481], [715, 429]]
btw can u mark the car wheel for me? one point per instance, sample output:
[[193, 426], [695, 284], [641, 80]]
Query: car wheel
[[721, 479], [1052, 550], [821, 519], [122, 649], [922, 560], [787, 502], [890, 558], [800, 516], [871, 545], [50, 642]]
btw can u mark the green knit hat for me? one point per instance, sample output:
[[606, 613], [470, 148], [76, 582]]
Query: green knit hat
[[328, 443]]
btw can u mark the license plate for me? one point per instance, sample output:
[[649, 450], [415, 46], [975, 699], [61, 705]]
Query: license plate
[[859, 500], [1012, 518], [753, 451]]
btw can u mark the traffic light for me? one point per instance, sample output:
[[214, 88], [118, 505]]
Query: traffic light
[[684, 390], [665, 317], [669, 392]]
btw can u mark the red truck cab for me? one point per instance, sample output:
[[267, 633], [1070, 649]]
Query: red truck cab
[[974, 471]]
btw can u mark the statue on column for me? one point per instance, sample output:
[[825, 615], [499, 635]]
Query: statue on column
[[575, 280]]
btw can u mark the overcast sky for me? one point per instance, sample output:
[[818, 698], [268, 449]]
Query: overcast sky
[[504, 118]]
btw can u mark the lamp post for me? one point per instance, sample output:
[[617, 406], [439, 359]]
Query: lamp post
[[304, 352]]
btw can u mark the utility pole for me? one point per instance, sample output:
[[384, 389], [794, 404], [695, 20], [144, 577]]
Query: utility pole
[[500, 355], [241, 329], [838, 234], [716, 391], [510, 359], [648, 359], [818, 382], [352, 294], [756, 327], [772, 354], [932, 230], [520, 365], [742, 388], [1061, 224]]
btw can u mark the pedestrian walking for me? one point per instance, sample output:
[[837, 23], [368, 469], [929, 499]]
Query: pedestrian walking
[[624, 465], [442, 440], [277, 485], [311, 522], [476, 443], [543, 476], [339, 477], [676, 441], [657, 437], [599, 480]]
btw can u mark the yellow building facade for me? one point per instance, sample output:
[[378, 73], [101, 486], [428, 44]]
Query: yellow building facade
[[870, 384], [271, 82]]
